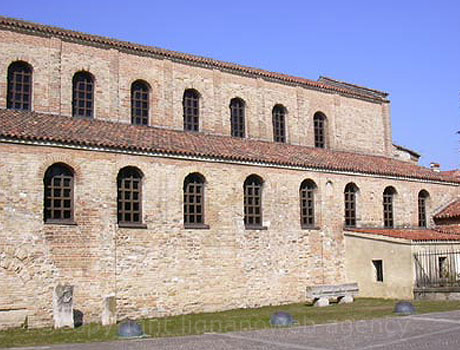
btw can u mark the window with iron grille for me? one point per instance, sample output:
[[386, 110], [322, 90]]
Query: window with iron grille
[[319, 124], [83, 95], [194, 200], [279, 126], [129, 196], [191, 105], [422, 198], [350, 205], [307, 203], [140, 103], [59, 194], [19, 95], [237, 115], [388, 215], [253, 202]]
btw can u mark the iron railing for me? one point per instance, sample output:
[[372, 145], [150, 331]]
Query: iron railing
[[437, 269]]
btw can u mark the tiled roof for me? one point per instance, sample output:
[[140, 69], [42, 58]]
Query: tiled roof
[[409, 234], [69, 35], [451, 211], [18, 125], [452, 229], [455, 172]]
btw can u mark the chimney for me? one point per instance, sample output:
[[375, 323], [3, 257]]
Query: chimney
[[435, 167]]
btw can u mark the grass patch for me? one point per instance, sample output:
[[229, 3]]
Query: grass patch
[[220, 322]]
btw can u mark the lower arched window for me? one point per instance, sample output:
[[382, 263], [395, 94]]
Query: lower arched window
[[59, 194], [388, 207], [350, 193], [253, 202], [194, 201], [307, 203], [129, 196], [422, 201]]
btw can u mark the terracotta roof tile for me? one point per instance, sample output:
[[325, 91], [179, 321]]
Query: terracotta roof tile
[[452, 229], [98, 133], [410, 234], [451, 211], [69, 35]]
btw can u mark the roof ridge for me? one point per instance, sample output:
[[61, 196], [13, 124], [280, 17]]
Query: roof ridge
[[23, 25]]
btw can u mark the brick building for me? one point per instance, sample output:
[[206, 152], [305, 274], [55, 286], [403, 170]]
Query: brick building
[[179, 184]]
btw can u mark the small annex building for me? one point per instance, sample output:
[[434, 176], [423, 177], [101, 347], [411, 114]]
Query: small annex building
[[161, 183]]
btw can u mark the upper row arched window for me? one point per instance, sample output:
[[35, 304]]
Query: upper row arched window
[[279, 123], [319, 127], [19, 94], [237, 117], [83, 95], [140, 99]]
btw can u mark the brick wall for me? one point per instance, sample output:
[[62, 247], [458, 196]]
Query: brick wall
[[165, 269], [353, 124]]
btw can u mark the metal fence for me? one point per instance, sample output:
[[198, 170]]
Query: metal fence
[[437, 269]]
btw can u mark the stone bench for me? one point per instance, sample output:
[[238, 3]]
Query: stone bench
[[319, 295]]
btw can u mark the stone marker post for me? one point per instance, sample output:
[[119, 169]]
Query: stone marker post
[[63, 306], [109, 310]]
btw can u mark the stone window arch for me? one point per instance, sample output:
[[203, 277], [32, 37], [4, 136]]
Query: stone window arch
[[279, 123], [388, 206], [423, 197], [191, 109], [194, 201], [307, 203], [238, 117], [59, 194], [83, 95], [140, 102], [320, 130], [253, 186], [19, 94], [350, 203], [129, 196]]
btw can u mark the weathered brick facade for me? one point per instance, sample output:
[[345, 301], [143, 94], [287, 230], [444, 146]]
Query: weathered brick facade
[[165, 269]]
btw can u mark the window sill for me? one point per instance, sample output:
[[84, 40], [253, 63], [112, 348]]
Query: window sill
[[57, 222], [126, 225], [254, 227], [196, 227], [316, 228]]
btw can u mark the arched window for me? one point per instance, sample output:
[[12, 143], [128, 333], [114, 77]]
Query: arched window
[[194, 185], [191, 105], [307, 203], [319, 125], [19, 95], [83, 95], [253, 202], [140, 103], [59, 194], [388, 209], [279, 123], [350, 204], [422, 199], [129, 196], [237, 117]]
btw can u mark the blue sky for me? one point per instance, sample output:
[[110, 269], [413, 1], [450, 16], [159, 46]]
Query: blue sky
[[410, 49]]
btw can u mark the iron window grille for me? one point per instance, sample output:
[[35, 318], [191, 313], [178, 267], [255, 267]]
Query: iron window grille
[[191, 106], [422, 198], [307, 203], [279, 127], [253, 202], [194, 200], [319, 123], [140, 103], [388, 210], [129, 196], [350, 205], [83, 95], [237, 112], [59, 194], [19, 95]]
